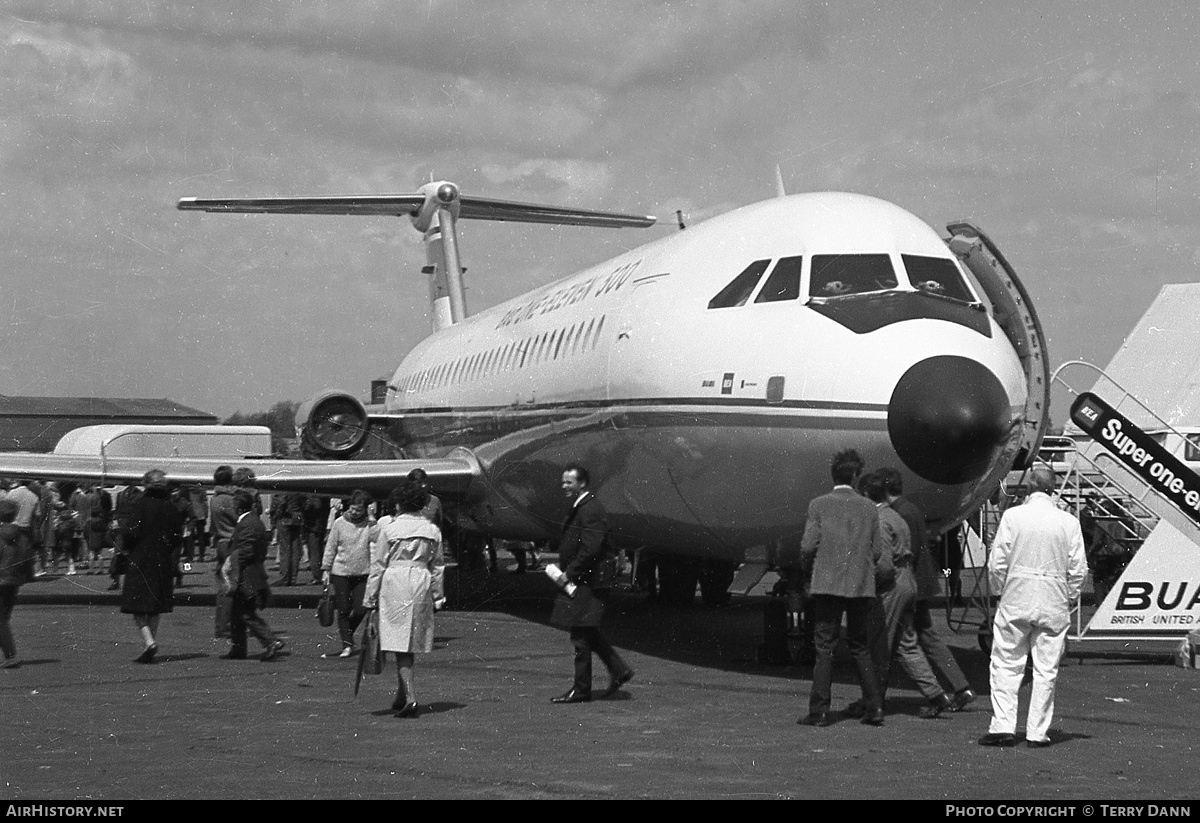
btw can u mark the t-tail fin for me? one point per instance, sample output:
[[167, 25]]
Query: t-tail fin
[[433, 211]]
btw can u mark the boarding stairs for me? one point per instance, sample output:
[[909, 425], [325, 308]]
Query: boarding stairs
[[1093, 485]]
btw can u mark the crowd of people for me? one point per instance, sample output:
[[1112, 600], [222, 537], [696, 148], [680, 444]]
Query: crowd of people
[[864, 559], [384, 556], [74, 528], [864, 556]]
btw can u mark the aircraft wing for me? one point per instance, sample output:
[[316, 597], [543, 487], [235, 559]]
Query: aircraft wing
[[449, 477]]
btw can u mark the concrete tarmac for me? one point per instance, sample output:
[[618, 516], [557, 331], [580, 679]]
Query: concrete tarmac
[[702, 718]]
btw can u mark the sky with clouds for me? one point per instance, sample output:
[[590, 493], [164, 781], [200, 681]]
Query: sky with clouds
[[1067, 130]]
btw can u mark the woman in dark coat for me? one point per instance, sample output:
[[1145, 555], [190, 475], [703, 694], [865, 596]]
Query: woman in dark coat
[[153, 532]]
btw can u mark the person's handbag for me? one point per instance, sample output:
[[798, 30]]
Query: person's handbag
[[119, 564], [325, 608], [372, 654]]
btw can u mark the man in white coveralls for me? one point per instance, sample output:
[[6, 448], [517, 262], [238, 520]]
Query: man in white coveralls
[[1037, 565]]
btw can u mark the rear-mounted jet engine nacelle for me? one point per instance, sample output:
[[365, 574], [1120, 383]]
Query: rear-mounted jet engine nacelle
[[333, 424]]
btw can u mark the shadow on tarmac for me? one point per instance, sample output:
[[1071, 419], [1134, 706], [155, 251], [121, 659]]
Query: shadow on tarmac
[[39, 661], [180, 658], [726, 638]]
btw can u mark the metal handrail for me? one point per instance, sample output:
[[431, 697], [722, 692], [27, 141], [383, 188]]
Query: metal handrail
[[1056, 377]]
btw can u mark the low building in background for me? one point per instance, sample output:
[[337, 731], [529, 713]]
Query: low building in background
[[35, 424]]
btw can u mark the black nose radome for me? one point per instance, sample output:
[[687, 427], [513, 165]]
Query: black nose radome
[[948, 418]]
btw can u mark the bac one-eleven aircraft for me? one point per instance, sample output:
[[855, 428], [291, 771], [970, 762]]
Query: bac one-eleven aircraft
[[705, 379]]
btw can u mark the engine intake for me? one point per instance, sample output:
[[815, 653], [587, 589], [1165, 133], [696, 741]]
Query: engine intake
[[332, 424]]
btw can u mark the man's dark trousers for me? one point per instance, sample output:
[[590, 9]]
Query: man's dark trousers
[[588, 639], [291, 549], [828, 610], [244, 616]]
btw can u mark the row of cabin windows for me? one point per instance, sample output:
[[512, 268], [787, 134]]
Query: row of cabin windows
[[839, 275], [519, 354]]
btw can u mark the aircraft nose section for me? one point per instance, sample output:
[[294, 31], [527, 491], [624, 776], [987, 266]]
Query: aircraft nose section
[[948, 418]]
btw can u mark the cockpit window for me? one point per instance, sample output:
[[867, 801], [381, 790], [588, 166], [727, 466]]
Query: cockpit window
[[784, 282], [837, 275], [740, 288], [936, 275]]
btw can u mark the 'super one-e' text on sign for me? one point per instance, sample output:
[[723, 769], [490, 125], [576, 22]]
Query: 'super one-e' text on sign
[[1133, 447]]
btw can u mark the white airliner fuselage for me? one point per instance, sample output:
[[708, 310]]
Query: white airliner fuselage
[[705, 379], [708, 430]]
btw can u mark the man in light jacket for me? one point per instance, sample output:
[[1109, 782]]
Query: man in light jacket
[[1037, 565], [842, 544]]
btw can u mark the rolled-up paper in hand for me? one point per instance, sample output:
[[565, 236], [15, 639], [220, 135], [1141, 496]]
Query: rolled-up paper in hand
[[556, 574]]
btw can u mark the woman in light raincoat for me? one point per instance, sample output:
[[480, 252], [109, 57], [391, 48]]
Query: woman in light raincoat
[[405, 584]]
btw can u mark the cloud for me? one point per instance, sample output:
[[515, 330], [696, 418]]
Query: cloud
[[570, 180], [614, 43], [1059, 139]]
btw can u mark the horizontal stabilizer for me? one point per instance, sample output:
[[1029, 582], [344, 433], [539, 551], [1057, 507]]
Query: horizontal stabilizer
[[480, 208], [409, 205], [449, 477], [394, 205]]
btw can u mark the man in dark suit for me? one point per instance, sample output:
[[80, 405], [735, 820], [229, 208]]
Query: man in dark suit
[[287, 515], [588, 562], [842, 543], [248, 580], [316, 518]]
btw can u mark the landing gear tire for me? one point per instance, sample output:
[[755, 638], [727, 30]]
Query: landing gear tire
[[715, 577], [985, 637]]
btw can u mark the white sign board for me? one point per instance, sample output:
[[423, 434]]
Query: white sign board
[[1158, 595]]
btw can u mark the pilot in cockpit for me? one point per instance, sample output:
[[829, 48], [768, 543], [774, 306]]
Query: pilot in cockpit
[[835, 287]]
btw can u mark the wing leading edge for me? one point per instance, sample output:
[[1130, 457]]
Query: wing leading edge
[[449, 477]]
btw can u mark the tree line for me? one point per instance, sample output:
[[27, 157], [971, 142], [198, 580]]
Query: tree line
[[280, 419]]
